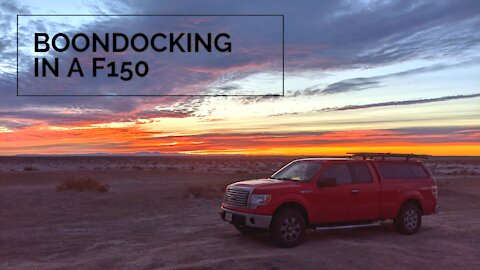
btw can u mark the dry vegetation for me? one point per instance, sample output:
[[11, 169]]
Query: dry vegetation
[[30, 168], [82, 184], [207, 190]]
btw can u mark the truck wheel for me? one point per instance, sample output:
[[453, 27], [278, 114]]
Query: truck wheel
[[409, 219], [247, 230], [288, 228]]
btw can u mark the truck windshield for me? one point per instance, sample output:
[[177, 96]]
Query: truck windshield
[[298, 171]]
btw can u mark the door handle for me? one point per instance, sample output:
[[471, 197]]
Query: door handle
[[354, 191]]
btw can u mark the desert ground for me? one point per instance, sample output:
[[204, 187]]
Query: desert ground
[[162, 213]]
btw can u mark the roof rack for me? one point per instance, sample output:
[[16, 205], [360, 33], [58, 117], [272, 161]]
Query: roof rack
[[370, 155]]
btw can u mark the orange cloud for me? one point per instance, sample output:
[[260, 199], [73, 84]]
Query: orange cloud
[[129, 137]]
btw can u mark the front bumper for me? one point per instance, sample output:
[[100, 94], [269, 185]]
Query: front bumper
[[250, 220]]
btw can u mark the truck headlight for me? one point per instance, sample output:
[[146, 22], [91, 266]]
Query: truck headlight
[[259, 199]]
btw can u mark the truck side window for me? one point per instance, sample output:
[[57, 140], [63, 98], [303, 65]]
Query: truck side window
[[340, 172], [396, 171], [361, 173], [419, 171]]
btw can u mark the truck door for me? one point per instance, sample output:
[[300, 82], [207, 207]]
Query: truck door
[[365, 192], [335, 203]]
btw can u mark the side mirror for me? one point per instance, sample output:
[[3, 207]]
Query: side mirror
[[326, 182]]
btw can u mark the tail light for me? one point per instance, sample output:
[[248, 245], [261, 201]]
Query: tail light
[[435, 191]]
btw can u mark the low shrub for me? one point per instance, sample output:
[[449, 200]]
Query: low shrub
[[207, 191], [30, 168], [82, 184]]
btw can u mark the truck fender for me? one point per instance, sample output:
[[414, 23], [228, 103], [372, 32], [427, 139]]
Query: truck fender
[[411, 195], [296, 199]]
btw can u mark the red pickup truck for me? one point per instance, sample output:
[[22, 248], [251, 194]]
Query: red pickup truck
[[329, 193]]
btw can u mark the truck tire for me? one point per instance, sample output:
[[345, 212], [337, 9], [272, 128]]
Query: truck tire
[[287, 228], [409, 219], [247, 230]]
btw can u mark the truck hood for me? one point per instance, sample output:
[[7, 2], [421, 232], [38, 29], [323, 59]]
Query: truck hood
[[270, 184]]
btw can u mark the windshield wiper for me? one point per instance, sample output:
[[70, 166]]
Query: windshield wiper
[[283, 178]]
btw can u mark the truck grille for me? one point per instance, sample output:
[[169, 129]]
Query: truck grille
[[237, 197]]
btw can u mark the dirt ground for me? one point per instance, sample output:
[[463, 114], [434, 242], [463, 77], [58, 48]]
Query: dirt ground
[[160, 219]]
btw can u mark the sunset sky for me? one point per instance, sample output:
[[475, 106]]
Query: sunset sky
[[387, 76]]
